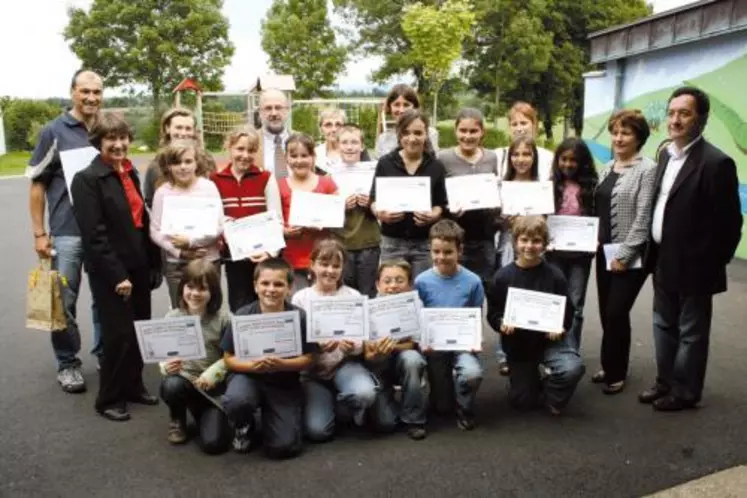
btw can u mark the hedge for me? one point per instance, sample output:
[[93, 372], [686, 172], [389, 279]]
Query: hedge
[[493, 138], [23, 120]]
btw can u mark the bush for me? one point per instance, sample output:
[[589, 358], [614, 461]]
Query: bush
[[20, 117], [493, 138]]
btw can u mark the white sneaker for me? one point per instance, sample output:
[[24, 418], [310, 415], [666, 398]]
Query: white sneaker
[[242, 440], [71, 380]]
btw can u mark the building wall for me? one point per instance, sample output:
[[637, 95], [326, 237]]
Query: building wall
[[717, 65]]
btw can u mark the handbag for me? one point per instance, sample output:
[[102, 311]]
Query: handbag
[[44, 306]]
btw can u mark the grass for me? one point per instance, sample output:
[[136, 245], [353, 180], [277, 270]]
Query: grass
[[14, 163]]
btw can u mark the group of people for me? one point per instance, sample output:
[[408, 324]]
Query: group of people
[[677, 218]]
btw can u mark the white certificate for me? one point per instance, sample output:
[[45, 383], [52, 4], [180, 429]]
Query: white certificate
[[309, 209], [452, 329], [337, 318], [354, 180], [166, 339], [258, 233], [193, 217], [573, 233], [527, 198], [469, 192], [75, 160], [396, 316], [403, 194], [532, 310], [610, 251], [267, 334]]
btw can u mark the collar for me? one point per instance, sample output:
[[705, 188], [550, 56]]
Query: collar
[[271, 136], [676, 153], [70, 120], [227, 173], [103, 169]]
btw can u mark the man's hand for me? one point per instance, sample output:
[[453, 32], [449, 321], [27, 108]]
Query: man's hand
[[507, 329], [124, 288], [617, 266], [173, 367], [424, 218], [43, 246]]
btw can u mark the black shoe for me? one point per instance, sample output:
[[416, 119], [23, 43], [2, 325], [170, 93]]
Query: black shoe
[[115, 414], [144, 399], [598, 378], [416, 432], [671, 403], [614, 388], [653, 393]]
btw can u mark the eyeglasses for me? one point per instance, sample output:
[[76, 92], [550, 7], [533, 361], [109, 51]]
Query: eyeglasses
[[330, 124]]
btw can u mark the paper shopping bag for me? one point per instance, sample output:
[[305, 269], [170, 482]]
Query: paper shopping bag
[[44, 307]]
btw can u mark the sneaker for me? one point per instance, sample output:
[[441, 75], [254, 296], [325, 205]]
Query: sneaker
[[465, 420], [242, 439], [416, 432], [71, 380], [177, 432]]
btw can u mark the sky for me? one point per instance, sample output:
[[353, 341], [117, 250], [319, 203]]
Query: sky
[[33, 49]]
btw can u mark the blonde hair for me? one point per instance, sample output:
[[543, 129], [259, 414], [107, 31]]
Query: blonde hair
[[531, 226], [255, 141], [173, 153], [331, 112]]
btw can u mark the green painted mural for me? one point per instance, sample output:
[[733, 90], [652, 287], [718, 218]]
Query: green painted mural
[[727, 125]]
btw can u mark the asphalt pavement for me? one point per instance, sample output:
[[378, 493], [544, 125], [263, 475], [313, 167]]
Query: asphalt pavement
[[53, 444]]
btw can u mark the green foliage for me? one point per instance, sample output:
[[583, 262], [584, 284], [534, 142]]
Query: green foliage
[[23, 120], [297, 37], [14, 163], [436, 35], [494, 138], [152, 42], [305, 120]]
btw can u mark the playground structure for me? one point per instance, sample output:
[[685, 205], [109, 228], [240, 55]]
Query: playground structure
[[211, 122]]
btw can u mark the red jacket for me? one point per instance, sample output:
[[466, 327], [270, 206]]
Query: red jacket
[[242, 198]]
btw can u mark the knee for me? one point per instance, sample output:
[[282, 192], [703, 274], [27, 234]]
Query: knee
[[215, 432], [173, 389], [319, 427], [361, 394], [283, 446], [236, 402], [469, 375], [569, 371]]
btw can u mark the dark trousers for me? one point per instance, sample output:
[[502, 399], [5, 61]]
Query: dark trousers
[[478, 256], [576, 268], [120, 377], [617, 293], [215, 432], [682, 330], [240, 280], [360, 270], [282, 412]]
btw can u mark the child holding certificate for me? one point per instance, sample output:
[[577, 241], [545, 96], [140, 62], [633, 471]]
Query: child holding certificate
[[299, 155], [269, 383], [405, 231], [449, 285], [397, 362], [183, 169], [575, 179], [361, 234], [246, 190], [186, 384], [338, 374], [528, 349]]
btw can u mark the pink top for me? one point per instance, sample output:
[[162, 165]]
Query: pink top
[[201, 188], [570, 205]]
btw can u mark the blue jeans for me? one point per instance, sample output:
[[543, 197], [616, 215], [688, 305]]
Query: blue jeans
[[69, 262], [528, 390], [353, 386], [415, 252], [576, 269], [405, 368], [454, 377]]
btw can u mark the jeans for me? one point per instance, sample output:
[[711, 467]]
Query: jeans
[[66, 343], [360, 270], [682, 330], [504, 255], [415, 252], [281, 406], [576, 269], [478, 256], [454, 377], [215, 431], [353, 386], [405, 368], [527, 390], [617, 293]]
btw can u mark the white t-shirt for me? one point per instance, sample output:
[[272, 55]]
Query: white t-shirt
[[323, 162], [328, 362]]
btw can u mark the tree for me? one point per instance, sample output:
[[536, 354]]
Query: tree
[[155, 43], [297, 37], [436, 35], [378, 32]]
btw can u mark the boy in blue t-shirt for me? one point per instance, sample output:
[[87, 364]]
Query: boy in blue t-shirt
[[270, 383], [453, 375]]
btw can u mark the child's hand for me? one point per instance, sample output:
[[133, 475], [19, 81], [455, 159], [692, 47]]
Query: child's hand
[[179, 241], [385, 346], [456, 211], [617, 266], [258, 257], [204, 383], [427, 350], [507, 329], [328, 346], [351, 202], [363, 200], [271, 363], [387, 217], [290, 231], [423, 218], [346, 347], [173, 367], [555, 336]]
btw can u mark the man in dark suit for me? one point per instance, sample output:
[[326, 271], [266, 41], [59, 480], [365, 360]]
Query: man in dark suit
[[695, 229]]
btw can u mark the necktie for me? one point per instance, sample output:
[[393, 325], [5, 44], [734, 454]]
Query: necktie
[[281, 169]]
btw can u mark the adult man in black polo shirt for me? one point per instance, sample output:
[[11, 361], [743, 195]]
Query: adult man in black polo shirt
[[63, 243]]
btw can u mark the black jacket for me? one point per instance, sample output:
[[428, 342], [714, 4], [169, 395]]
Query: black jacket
[[112, 245], [702, 223]]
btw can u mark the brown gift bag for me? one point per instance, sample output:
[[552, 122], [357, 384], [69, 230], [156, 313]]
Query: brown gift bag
[[44, 308]]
